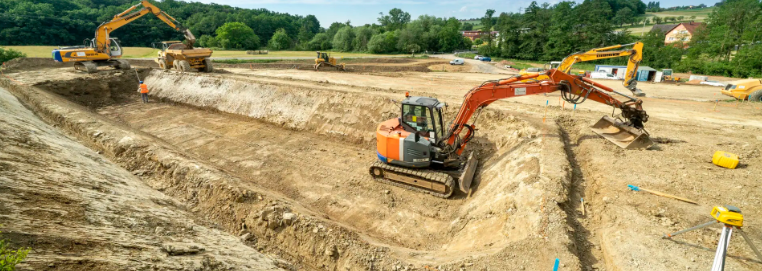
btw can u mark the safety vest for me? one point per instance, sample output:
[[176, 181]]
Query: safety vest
[[143, 88]]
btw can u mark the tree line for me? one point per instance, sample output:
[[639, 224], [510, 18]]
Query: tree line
[[68, 22], [395, 32]]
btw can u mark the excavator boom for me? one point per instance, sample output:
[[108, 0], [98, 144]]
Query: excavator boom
[[635, 53]]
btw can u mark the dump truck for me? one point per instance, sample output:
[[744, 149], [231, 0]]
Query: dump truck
[[747, 89], [183, 57]]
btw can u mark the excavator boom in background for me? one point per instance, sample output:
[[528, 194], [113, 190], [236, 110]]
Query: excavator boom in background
[[635, 53], [416, 151], [106, 51]]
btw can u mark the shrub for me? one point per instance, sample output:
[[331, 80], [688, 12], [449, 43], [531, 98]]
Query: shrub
[[9, 258], [8, 54]]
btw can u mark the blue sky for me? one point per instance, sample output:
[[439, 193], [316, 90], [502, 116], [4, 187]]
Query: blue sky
[[365, 12]]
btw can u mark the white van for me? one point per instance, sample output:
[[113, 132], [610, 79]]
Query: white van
[[602, 75], [457, 61], [477, 57]]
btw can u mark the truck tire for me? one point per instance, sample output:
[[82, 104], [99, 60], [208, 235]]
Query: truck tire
[[176, 65], [184, 65], [207, 66], [756, 96], [162, 63]]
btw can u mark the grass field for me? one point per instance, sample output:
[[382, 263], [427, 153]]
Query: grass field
[[145, 52], [701, 15], [45, 51]]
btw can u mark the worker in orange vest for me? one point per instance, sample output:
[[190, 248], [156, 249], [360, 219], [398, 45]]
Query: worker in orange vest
[[143, 89]]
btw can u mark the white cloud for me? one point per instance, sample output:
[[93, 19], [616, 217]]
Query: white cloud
[[463, 9]]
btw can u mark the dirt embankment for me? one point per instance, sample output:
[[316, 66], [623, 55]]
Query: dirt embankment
[[34, 63], [78, 211], [352, 65]]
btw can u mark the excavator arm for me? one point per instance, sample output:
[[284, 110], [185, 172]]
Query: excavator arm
[[635, 53], [574, 89], [102, 41]]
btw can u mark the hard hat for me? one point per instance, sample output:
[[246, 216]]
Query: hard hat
[[141, 82]]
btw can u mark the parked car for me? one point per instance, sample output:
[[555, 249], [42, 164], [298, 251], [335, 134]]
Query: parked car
[[486, 58], [477, 57], [602, 75], [457, 61]]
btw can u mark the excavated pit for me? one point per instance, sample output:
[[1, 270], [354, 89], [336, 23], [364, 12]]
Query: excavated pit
[[309, 148]]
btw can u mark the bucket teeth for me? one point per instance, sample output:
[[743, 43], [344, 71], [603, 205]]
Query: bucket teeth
[[623, 135]]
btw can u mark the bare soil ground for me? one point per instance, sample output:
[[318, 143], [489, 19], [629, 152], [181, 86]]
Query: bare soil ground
[[248, 149]]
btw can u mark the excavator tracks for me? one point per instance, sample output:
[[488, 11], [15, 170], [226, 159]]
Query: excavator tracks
[[425, 181]]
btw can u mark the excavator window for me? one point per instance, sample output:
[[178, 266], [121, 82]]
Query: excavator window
[[419, 118]]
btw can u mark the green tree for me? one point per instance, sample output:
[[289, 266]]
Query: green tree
[[280, 40], [395, 20], [487, 24], [467, 43], [536, 22], [467, 27], [478, 41], [623, 16], [237, 36], [594, 26], [562, 39], [449, 37], [343, 39], [383, 43], [9, 258], [305, 35], [363, 35], [7, 54], [319, 42]]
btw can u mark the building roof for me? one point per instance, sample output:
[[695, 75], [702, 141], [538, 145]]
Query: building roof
[[691, 27], [663, 27]]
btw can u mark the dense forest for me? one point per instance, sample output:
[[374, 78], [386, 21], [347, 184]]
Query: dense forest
[[68, 22]]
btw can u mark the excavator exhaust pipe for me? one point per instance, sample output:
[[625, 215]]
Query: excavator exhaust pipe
[[624, 136], [467, 176]]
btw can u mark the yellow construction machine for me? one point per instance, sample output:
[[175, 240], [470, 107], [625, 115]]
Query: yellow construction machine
[[183, 57], [630, 82], [106, 51], [325, 60]]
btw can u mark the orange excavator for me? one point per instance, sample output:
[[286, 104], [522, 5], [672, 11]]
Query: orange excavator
[[417, 152]]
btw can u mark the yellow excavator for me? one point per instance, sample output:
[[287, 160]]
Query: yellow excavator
[[104, 50], [635, 53]]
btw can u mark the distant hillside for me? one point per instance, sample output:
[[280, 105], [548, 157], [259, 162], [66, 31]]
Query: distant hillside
[[701, 15]]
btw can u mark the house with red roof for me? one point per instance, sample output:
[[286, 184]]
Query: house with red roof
[[683, 32]]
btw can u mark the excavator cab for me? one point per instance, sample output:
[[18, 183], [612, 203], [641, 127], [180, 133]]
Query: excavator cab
[[423, 116], [114, 49]]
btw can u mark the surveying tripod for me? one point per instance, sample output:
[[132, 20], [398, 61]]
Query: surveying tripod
[[730, 217]]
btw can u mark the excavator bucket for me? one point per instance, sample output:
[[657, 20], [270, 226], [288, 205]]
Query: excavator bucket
[[624, 136], [467, 176]]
